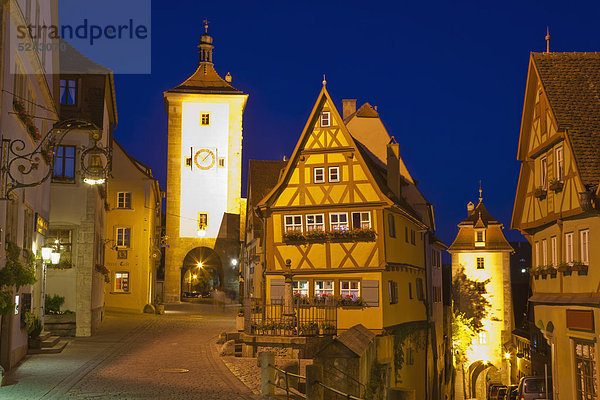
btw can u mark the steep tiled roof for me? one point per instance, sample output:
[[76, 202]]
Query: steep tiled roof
[[480, 218], [262, 177], [480, 212], [572, 84], [205, 80]]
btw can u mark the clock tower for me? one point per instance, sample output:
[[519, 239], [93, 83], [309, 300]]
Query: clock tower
[[203, 179]]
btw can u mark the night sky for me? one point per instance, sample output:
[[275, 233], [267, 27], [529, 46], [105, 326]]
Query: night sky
[[448, 80]]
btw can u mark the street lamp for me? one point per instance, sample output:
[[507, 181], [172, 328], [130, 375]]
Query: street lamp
[[46, 254], [46, 258], [234, 261], [200, 264]]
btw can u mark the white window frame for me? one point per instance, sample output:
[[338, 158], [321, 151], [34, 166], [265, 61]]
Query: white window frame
[[584, 246], [337, 225], [122, 243], [325, 119], [122, 202], [320, 170], [351, 290], [554, 249], [569, 247], [366, 222], [324, 290], [560, 163], [482, 338], [545, 251], [315, 225], [336, 171], [295, 225], [537, 253], [480, 243], [544, 172], [301, 287], [117, 277]]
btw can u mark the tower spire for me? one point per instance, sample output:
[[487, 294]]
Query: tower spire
[[480, 192], [205, 47], [547, 39], [205, 26]]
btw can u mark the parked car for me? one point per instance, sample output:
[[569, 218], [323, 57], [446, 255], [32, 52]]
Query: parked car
[[495, 391], [513, 392], [534, 388]]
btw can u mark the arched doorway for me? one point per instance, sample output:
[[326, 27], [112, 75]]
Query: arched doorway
[[201, 273], [481, 374]]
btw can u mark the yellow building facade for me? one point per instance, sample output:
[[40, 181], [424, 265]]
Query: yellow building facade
[[203, 177], [556, 208], [339, 221], [482, 251], [133, 221]]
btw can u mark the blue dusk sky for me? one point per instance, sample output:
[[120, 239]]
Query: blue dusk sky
[[448, 79]]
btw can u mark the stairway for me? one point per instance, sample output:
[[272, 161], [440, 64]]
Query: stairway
[[49, 344]]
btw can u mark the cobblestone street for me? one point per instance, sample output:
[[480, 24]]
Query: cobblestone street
[[136, 357]]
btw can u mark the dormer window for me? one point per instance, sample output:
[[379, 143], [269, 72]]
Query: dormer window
[[479, 237], [325, 119]]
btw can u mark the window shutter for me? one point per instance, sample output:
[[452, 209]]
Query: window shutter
[[277, 289], [370, 293]]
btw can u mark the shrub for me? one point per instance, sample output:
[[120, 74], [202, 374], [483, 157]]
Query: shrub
[[53, 304]]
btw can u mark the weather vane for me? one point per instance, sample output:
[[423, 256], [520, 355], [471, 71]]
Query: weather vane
[[480, 191], [205, 25]]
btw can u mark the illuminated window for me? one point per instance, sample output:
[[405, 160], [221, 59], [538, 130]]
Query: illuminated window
[[318, 175], [480, 263], [64, 164], [361, 220], [584, 242], [324, 288], [123, 200], [560, 169], [392, 225], [123, 236], [544, 172], [121, 281], [393, 291], [68, 92], [338, 221], [202, 220], [585, 369], [482, 338], [569, 247], [325, 119], [221, 162], [293, 223], [315, 222], [301, 288], [205, 119], [334, 174], [479, 237], [350, 288]]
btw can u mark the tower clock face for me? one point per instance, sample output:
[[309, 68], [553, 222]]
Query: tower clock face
[[204, 159]]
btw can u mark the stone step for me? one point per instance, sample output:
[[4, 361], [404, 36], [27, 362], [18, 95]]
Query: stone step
[[45, 335], [50, 342], [57, 348]]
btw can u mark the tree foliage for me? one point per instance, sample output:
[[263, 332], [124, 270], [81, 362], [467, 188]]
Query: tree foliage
[[15, 274], [462, 336], [469, 299]]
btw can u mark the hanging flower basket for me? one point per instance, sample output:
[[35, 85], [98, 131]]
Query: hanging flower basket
[[556, 185], [540, 193]]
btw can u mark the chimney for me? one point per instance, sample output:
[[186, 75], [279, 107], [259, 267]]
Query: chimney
[[348, 107], [393, 166], [470, 208]]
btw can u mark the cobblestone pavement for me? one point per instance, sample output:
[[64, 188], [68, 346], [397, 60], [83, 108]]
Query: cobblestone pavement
[[137, 357]]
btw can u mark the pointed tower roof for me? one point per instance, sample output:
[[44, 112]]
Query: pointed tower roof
[[206, 80]]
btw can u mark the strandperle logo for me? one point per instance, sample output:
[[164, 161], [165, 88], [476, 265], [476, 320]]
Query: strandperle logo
[[90, 32]]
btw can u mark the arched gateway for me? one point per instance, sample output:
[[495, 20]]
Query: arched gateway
[[201, 272]]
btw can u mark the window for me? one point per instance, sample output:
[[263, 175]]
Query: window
[[392, 225], [301, 288], [221, 162], [338, 221], [480, 263], [393, 291], [553, 249], [482, 338], [569, 247], [121, 281], [205, 119], [545, 252], [324, 288], [334, 174], [412, 236], [28, 228], [123, 237], [537, 253], [61, 240], [560, 169], [318, 175], [436, 258], [420, 291], [584, 243], [64, 164], [410, 290], [68, 91], [406, 234], [315, 222], [12, 220], [585, 369], [293, 223], [544, 172], [123, 200], [325, 119], [350, 288], [202, 220], [361, 220]]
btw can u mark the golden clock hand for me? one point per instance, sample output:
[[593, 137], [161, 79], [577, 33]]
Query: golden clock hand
[[204, 159]]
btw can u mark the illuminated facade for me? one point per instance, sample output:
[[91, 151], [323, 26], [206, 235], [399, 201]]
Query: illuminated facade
[[482, 250], [203, 175], [556, 208]]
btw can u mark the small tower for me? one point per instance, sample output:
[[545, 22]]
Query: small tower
[[204, 168], [483, 251]]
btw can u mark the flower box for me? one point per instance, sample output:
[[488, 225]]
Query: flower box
[[556, 186], [293, 237], [316, 236], [26, 119], [540, 193]]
